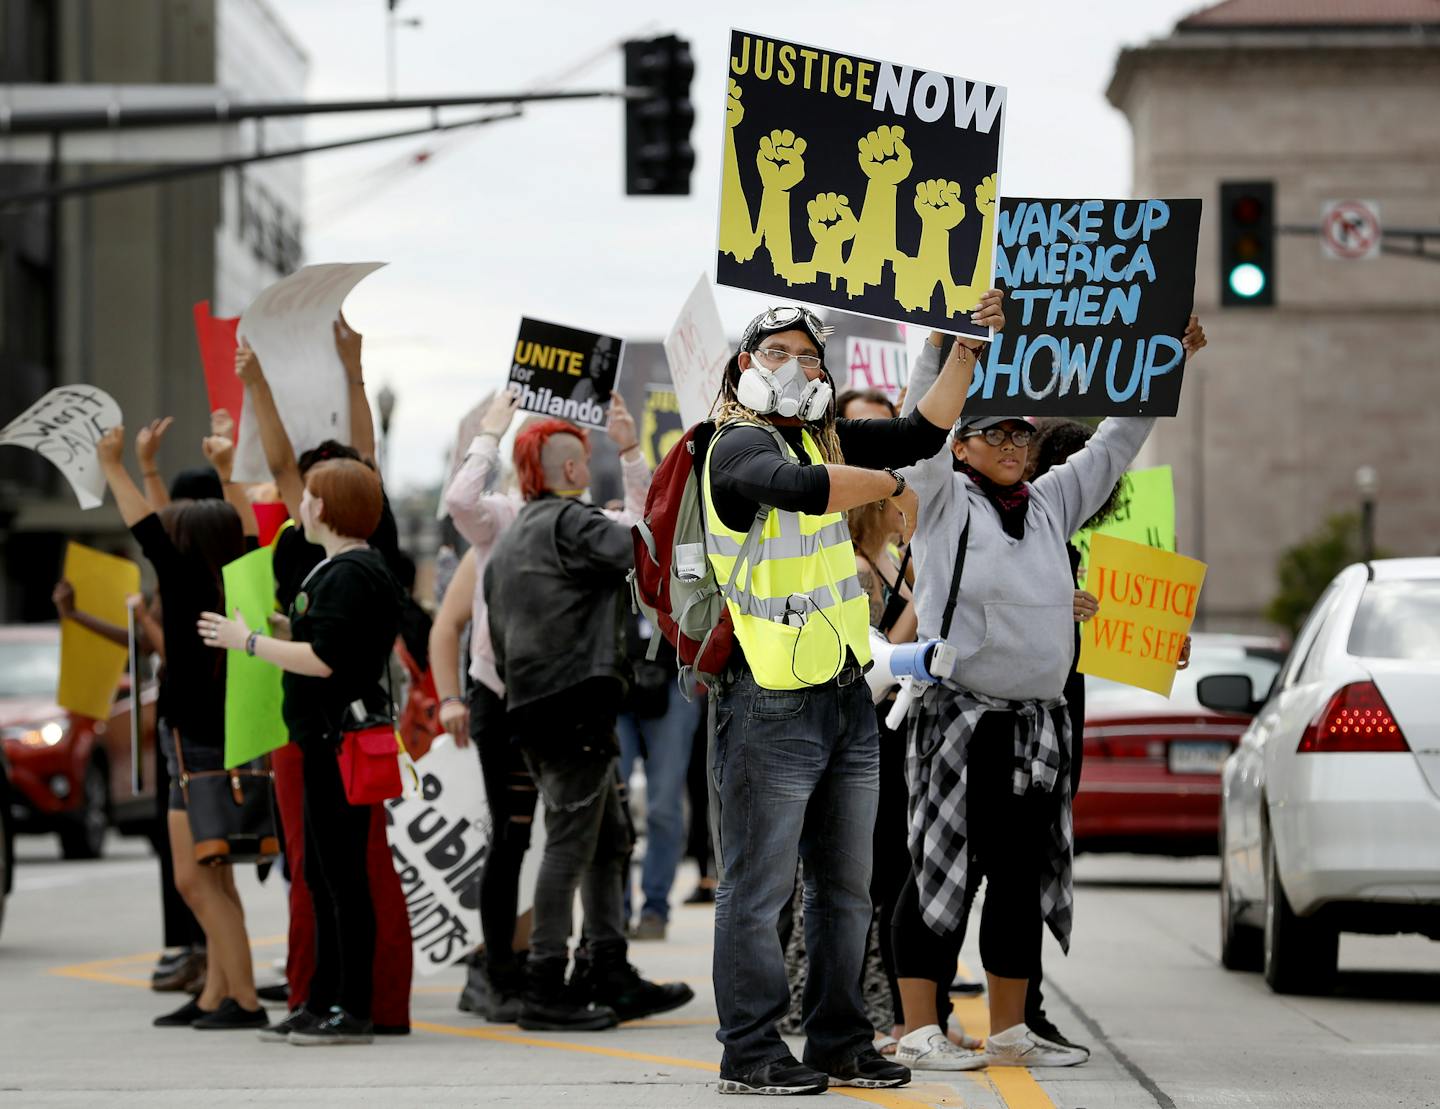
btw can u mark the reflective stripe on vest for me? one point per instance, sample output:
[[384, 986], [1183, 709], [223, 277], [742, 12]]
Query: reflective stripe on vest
[[804, 572]]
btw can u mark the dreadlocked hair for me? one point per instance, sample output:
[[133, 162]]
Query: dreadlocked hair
[[729, 410]]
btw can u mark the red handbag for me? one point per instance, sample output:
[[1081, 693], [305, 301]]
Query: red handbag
[[370, 763]]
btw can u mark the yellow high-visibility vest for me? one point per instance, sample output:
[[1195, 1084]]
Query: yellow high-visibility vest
[[797, 602]]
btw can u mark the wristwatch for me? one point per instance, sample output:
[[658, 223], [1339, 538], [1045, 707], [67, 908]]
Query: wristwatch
[[899, 482]]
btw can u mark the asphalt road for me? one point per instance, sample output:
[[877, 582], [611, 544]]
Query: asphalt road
[[1143, 987]]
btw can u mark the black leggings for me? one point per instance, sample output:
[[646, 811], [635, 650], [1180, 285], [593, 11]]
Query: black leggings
[[1006, 845], [510, 790], [892, 856], [337, 839]]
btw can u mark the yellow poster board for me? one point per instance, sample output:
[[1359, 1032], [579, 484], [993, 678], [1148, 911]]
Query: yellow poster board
[[90, 665], [1147, 604]]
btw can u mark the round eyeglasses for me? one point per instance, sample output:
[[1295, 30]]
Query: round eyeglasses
[[996, 436]]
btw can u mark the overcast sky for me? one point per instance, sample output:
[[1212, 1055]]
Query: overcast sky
[[530, 216]]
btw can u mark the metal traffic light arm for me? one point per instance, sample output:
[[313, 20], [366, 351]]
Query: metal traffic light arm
[[1425, 241]]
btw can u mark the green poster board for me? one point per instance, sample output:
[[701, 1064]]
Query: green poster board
[[1146, 513], [254, 725]]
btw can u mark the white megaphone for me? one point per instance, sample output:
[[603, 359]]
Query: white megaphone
[[906, 665]]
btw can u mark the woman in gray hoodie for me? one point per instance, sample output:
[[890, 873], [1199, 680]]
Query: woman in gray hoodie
[[989, 750]]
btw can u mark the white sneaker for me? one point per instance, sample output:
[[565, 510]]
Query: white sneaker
[[1020, 1047], [929, 1048]]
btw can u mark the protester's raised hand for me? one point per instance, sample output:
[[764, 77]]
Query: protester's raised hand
[[347, 343], [985, 196], [990, 312], [884, 157], [830, 219], [220, 453], [148, 439], [1086, 605], [1194, 338], [247, 365], [620, 425], [1183, 662], [111, 447], [63, 596], [781, 160], [455, 719], [222, 423], [500, 414], [938, 204]]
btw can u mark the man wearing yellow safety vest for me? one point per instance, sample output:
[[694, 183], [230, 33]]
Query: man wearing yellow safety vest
[[795, 757]]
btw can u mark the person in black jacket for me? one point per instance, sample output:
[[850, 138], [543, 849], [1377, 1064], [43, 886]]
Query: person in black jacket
[[556, 593]]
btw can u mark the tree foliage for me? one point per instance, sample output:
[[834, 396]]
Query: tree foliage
[[1306, 569]]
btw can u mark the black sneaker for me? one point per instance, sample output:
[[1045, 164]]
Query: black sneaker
[[182, 1017], [278, 992], [475, 997], [338, 1028], [703, 895], [870, 1071], [1040, 1024], [231, 1016], [783, 1077], [967, 987], [300, 1019]]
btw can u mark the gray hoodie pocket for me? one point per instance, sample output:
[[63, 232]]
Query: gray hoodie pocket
[[1025, 654]]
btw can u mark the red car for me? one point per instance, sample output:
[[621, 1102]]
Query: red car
[[69, 774], [1151, 777]]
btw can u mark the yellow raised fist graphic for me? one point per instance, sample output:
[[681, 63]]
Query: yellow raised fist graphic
[[734, 110], [884, 157], [985, 196], [781, 160], [832, 225], [938, 204]]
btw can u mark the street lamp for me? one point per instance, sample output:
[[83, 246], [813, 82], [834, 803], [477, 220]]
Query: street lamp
[[1367, 484], [385, 401], [391, 23]]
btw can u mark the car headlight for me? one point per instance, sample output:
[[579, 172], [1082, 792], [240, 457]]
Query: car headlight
[[46, 735]]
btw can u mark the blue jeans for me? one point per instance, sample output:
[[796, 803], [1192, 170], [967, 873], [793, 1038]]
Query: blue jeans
[[796, 775], [667, 741]]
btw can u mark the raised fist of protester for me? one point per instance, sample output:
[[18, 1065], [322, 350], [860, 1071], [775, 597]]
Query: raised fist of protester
[[990, 312], [734, 110], [111, 447], [620, 425], [216, 631], [347, 343], [985, 196], [247, 365], [1086, 605], [63, 596], [884, 157], [830, 220], [220, 453], [455, 719], [938, 204], [1194, 338], [500, 414], [781, 160], [222, 423], [148, 439]]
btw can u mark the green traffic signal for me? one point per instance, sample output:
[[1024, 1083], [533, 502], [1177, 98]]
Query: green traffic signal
[[1247, 280]]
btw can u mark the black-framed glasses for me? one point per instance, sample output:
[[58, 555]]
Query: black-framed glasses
[[774, 356], [996, 436]]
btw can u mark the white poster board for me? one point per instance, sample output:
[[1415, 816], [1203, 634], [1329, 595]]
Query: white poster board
[[291, 327], [697, 351], [875, 364], [439, 842], [63, 427]]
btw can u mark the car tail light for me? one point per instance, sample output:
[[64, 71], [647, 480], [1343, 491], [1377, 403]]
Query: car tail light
[[1356, 719], [1127, 747]]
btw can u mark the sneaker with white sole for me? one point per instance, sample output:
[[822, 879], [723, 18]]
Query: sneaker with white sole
[[1020, 1047], [929, 1048]]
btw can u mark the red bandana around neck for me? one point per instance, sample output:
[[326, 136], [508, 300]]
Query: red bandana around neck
[[1011, 501]]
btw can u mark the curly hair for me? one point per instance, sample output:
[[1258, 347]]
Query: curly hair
[[530, 444], [731, 411], [1056, 441]]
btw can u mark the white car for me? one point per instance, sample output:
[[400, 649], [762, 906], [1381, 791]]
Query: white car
[[1330, 806]]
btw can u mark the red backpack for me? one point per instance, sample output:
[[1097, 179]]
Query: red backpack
[[673, 583]]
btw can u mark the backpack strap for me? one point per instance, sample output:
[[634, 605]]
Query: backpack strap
[[955, 580]]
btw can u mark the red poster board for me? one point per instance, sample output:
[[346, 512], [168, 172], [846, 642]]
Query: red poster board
[[216, 339]]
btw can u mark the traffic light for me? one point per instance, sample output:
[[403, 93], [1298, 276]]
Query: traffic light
[[658, 154], [1247, 244]]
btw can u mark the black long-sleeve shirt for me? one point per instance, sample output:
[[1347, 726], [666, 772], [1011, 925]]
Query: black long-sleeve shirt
[[748, 469]]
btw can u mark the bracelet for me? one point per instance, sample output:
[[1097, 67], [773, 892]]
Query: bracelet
[[626, 450], [451, 701], [250, 641], [899, 483]]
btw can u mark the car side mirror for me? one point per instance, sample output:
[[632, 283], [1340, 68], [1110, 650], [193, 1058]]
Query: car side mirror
[[1229, 693]]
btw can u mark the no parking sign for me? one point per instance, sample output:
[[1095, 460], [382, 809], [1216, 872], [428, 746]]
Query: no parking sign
[[1350, 229]]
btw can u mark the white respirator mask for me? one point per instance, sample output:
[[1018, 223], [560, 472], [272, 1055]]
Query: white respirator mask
[[783, 391]]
